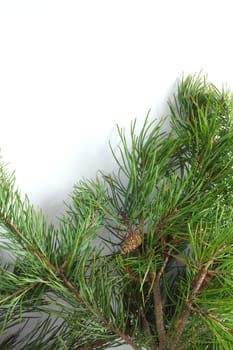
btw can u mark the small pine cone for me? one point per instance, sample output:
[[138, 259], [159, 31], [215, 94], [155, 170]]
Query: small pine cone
[[131, 242]]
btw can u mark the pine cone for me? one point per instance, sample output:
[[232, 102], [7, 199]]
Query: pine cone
[[131, 242]]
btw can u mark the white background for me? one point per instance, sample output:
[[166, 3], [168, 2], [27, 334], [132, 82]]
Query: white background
[[71, 70]]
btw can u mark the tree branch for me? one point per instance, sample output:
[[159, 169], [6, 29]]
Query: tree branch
[[67, 283], [146, 326], [159, 226], [21, 290], [158, 306], [29, 245], [197, 286]]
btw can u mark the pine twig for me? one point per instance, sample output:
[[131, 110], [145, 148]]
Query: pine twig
[[107, 323], [146, 326], [21, 290], [158, 306], [160, 225], [29, 245], [67, 283], [90, 223], [197, 286]]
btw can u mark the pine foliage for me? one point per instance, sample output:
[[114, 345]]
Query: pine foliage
[[142, 256]]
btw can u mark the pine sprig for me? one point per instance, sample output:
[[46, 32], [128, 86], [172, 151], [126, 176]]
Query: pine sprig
[[142, 256]]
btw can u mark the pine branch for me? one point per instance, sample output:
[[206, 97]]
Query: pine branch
[[20, 291], [166, 182], [181, 323], [198, 284], [68, 284], [158, 306], [107, 323], [26, 243], [147, 329]]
